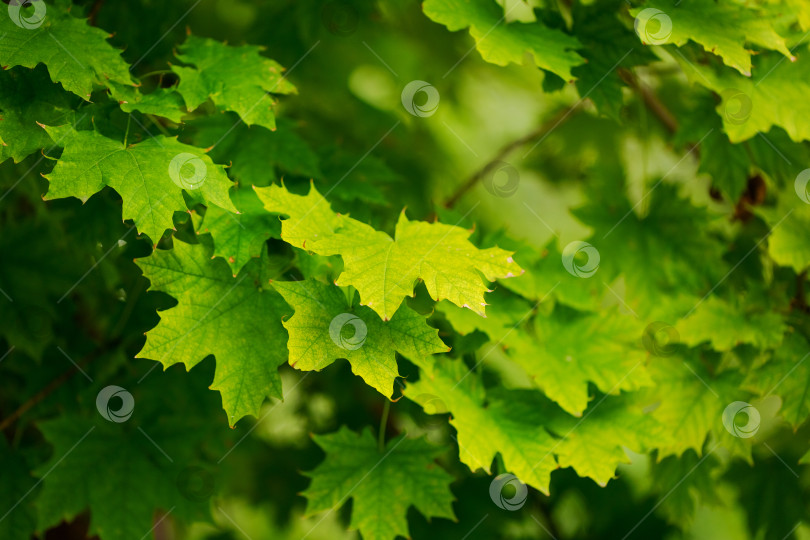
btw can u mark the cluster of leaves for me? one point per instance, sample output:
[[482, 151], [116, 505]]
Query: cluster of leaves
[[673, 144]]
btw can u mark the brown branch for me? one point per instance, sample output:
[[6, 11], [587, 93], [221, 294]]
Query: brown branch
[[544, 129], [650, 100]]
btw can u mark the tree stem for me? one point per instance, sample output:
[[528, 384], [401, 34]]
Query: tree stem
[[650, 100], [126, 135], [383, 425], [158, 72]]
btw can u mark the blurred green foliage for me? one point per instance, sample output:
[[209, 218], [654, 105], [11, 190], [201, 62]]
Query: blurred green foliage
[[672, 142]]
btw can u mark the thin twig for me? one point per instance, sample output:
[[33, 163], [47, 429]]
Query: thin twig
[[547, 126], [650, 100], [383, 425]]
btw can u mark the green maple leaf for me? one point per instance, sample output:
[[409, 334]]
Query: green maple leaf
[[789, 222], [351, 178], [116, 473], [18, 517], [547, 279], [236, 79], [384, 269], [672, 230], [257, 157], [77, 55], [689, 402], [728, 164], [772, 96], [238, 238], [572, 350], [698, 21], [787, 375], [504, 315], [696, 482], [165, 102], [510, 425], [322, 312], [726, 325], [608, 46], [28, 97], [236, 319], [383, 485], [503, 43], [310, 218], [516, 424], [769, 515], [141, 174], [775, 155], [594, 446]]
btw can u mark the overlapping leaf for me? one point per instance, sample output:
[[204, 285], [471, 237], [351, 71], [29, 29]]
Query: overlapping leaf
[[310, 218], [163, 102], [672, 230], [240, 237], [382, 484], [789, 220], [28, 97], [77, 55], [504, 43], [384, 269], [572, 350], [140, 173], [237, 79], [608, 46], [510, 427], [786, 375], [257, 157], [725, 325], [235, 319], [689, 403], [696, 482], [594, 446], [116, 473], [723, 28], [323, 318], [771, 97]]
